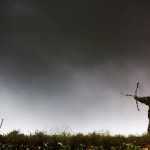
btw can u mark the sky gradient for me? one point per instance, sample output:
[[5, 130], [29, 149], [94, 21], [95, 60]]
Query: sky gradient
[[65, 63]]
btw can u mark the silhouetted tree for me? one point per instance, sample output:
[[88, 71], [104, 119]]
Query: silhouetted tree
[[143, 99]]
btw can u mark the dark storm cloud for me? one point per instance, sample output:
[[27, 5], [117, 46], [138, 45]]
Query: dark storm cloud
[[44, 43], [46, 39]]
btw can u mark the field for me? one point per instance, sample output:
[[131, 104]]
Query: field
[[67, 141]]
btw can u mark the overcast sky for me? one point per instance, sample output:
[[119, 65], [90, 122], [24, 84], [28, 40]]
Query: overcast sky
[[63, 64]]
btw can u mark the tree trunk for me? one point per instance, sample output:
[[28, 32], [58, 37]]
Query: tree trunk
[[148, 130]]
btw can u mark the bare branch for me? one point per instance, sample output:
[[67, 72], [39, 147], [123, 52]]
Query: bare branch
[[1, 123]]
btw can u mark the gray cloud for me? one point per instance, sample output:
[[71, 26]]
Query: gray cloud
[[71, 60]]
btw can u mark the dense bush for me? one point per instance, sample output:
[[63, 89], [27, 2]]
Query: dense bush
[[79, 141]]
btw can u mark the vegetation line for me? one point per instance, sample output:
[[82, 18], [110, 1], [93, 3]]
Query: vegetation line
[[68, 141]]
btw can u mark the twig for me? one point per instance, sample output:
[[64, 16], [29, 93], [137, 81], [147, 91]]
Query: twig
[[1, 123]]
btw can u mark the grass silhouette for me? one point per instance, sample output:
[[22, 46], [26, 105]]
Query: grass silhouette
[[68, 141]]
